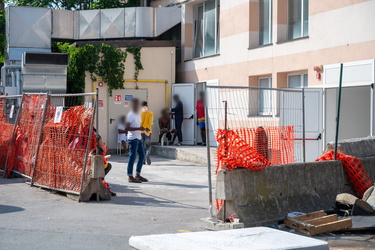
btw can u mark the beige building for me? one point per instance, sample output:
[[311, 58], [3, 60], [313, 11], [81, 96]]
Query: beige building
[[154, 87], [240, 41]]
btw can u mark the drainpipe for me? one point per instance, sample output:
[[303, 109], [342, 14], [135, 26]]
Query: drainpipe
[[3, 76]]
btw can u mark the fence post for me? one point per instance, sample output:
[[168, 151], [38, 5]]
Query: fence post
[[338, 111], [208, 147], [87, 151], [225, 149], [303, 126], [11, 144], [46, 104], [97, 115]]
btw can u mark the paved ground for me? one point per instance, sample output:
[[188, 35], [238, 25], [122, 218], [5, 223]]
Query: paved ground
[[173, 200]]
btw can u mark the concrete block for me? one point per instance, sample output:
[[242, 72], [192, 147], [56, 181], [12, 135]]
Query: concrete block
[[358, 147], [214, 224], [260, 238], [263, 198]]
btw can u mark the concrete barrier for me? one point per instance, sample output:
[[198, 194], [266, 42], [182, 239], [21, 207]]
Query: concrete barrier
[[263, 198], [358, 147]]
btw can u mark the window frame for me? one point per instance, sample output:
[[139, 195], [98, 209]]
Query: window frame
[[217, 27], [261, 113], [302, 21], [269, 23], [302, 80]]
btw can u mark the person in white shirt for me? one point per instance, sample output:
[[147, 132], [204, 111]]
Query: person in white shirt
[[122, 134], [134, 129]]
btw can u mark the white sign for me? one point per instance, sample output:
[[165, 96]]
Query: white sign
[[11, 112], [58, 114]]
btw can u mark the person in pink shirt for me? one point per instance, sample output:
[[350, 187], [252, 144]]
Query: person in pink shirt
[[201, 117]]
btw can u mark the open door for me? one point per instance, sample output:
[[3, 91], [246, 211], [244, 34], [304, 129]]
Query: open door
[[186, 91], [119, 105]]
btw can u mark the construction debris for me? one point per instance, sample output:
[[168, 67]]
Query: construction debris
[[317, 223]]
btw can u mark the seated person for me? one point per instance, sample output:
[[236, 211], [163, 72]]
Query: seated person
[[107, 166], [165, 127], [123, 134]]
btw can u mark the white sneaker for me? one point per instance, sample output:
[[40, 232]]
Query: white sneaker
[[179, 144]]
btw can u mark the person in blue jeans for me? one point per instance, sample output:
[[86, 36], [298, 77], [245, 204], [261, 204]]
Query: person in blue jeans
[[134, 129]]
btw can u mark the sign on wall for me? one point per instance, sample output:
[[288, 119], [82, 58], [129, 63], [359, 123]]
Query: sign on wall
[[117, 99]]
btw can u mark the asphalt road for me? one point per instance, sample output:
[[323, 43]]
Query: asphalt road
[[173, 201]]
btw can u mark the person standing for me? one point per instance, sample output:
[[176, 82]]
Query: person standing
[[201, 117], [178, 112], [133, 126], [147, 118], [122, 134]]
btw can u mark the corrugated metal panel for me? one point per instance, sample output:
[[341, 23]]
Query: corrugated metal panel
[[165, 19], [29, 27], [89, 24], [112, 23], [144, 22], [63, 24], [130, 14]]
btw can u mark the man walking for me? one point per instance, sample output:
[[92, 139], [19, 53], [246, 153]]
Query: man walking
[[147, 118], [178, 112], [134, 129]]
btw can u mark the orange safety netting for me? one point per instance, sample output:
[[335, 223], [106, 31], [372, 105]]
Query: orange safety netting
[[63, 150], [29, 123], [6, 132], [254, 149], [353, 168], [2, 109]]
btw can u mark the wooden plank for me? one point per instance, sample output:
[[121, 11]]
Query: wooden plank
[[310, 216], [297, 225], [323, 220], [330, 227]]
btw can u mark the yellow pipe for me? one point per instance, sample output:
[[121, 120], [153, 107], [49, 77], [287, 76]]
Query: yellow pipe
[[132, 80], [93, 89], [166, 95]]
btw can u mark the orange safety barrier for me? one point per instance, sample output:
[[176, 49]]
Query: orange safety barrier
[[255, 148], [29, 123], [353, 168], [62, 152], [2, 109]]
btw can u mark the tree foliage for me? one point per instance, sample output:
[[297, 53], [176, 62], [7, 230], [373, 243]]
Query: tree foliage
[[103, 61]]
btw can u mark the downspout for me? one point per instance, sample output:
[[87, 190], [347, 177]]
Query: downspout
[[3, 76]]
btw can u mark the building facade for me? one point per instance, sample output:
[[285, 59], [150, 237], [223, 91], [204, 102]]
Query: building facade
[[271, 43]]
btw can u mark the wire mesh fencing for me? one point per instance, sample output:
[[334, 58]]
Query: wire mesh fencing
[[255, 127], [48, 138], [9, 108], [67, 140]]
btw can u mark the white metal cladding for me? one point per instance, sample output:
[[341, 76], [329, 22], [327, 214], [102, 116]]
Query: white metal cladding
[[89, 24], [130, 14], [165, 19], [144, 22], [63, 24], [29, 27], [112, 23]]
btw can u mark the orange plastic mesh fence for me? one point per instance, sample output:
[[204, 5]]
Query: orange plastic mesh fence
[[2, 109], [255, 148], [6, 131], [354, 169], [63, 149], [29, 123]]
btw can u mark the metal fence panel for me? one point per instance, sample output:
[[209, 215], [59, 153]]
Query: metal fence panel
[[9, 108], [266, 124], [62, 157], [25, 141]]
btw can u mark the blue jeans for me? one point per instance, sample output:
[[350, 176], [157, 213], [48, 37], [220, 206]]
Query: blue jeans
[[135, 147], [146, 141]]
